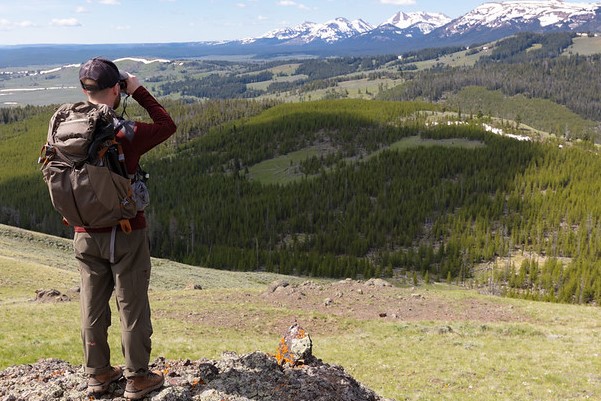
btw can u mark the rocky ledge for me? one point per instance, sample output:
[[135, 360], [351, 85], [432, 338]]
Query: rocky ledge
[[292, 374], [254, 376]]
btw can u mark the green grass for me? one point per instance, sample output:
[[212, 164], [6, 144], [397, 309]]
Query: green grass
[[584, 46], [284, 169], [540, 360], [552, 357], [31, 331], [544, 352], [457, 59], [542, 357], [415, 141], [17, 279], [285, 69], [541, 114]]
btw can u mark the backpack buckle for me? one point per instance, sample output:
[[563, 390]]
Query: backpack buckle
[[46, 153]]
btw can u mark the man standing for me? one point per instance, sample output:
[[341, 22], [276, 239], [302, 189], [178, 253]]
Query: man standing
[[111, 259]]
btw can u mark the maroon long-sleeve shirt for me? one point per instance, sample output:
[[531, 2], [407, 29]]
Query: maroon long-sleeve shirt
[[145, 137]]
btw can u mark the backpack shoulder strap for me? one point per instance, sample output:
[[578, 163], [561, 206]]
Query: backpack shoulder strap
[[126, 127]]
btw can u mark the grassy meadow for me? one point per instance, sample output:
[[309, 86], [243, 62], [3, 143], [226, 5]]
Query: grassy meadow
[[530, 351], [585, 46], [285, 169]]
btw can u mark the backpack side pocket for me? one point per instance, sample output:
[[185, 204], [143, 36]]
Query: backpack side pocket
[[110, 198]]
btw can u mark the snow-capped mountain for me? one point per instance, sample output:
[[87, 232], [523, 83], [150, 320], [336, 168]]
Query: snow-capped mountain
[[286, 33], [307, 32], [489, 21], [523, 15], [425, 22]]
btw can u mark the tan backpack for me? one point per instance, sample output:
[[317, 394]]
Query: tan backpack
[[83, 167]]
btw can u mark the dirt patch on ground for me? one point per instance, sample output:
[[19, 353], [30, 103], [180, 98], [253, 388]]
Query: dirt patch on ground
[[326, 308], [377, 299]]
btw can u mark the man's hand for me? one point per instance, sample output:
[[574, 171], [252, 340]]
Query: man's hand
[[132, 83]]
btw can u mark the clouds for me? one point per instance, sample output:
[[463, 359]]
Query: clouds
[[65, 22], [7, 25], [45, 20]]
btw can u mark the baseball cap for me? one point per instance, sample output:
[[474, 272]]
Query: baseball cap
[[101, 70]]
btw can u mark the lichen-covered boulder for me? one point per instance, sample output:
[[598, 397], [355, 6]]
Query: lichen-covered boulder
[[295, 347]]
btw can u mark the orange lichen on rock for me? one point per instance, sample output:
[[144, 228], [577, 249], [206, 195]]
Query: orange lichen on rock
[[294, 347], [282, 354]]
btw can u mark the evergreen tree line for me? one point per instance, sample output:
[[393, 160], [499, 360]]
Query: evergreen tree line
[[519, 48], [318, 69], [196, 119], [552, 281], [214, 86], [437, 211], [565, 80], [371, 208], [353, 127], [10, 115], [427, 54]]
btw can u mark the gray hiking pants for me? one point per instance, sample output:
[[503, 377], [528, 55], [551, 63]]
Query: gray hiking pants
[[120, 262]]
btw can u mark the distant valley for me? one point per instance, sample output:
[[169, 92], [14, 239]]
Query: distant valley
[[284, 79], [401, 33]]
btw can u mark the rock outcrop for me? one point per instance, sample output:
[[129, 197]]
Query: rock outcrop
[[293, 374], [50, 295], [254, 376]]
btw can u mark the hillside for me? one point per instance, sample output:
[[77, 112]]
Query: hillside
[[402, 190], [527, 70], [351, 186], [430, 342], [35, 248], [511, 67]]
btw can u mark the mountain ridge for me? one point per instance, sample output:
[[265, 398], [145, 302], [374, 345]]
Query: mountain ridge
[[400, 33], [533, 15]]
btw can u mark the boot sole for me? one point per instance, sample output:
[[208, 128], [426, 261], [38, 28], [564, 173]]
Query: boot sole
[[103, 388], [141, 393]]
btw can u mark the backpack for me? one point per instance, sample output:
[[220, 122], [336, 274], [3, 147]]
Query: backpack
[[83, 167]]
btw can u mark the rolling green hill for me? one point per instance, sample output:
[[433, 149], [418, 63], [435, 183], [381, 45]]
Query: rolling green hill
[[528, 78], [385, 189]]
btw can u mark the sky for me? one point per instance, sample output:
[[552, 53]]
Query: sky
[[164, 21]]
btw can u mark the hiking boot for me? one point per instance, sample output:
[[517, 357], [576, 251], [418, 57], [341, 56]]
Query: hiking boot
[[138, 386], [99, 384]]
